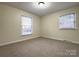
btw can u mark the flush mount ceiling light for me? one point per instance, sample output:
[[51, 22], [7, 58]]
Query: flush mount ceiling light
[[41, 5]]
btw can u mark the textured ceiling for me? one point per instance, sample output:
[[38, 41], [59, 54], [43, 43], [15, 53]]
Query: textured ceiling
[[54, 7]]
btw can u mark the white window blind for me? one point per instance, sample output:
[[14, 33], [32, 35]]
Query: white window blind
[[67, 21], [26, 23]]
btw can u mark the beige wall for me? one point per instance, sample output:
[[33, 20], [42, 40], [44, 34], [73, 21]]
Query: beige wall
[[0, 24], [10, 25], [49, 27]]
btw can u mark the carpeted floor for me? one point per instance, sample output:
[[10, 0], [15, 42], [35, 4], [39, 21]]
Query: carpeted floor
[[40, 47]]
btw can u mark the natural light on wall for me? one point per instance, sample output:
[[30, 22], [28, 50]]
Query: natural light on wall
[[41, 5]]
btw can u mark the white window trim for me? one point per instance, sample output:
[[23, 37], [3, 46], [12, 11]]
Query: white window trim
[[31, 25], [74, 21]]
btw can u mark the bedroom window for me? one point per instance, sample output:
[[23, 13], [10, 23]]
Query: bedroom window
[[26, 23], [67, 21]]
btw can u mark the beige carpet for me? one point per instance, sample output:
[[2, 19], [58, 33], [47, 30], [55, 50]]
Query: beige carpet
[[40, 47]]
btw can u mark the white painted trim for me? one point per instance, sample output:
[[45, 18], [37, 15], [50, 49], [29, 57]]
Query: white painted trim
[[11, 42], [7, 43], [75, 42]]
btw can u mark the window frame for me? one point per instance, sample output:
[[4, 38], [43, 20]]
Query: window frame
[[31, 25], [75, 26]]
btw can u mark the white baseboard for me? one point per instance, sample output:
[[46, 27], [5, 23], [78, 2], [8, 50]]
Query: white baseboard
[[11, 42], [75, 42], [7, 43]]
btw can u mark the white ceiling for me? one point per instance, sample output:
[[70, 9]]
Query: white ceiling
[[54, 7]]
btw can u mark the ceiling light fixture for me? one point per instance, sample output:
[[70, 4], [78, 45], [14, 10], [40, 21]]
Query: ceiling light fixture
[[41, 5]]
